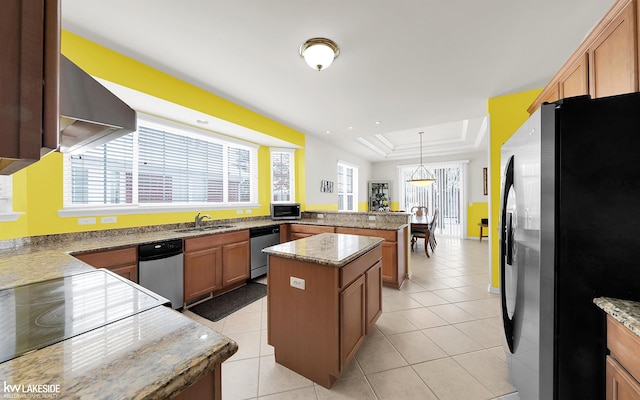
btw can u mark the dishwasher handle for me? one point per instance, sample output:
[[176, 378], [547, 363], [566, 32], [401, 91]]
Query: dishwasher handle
[[159, 250]]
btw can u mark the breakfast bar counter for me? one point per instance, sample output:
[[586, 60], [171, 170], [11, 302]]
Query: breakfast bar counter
[[324, 296]]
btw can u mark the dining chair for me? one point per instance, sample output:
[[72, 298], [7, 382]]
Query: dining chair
[[432, 230], [419, 211]]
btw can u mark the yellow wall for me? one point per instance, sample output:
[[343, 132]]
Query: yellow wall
[[38, 189], [506, 114], [475, 212]]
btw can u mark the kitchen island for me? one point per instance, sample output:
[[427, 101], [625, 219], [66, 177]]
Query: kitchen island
[[324, 296]]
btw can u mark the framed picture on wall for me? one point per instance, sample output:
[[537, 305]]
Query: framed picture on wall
[[485, 185]]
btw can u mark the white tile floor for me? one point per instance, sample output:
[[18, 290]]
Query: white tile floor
[[438, 338]]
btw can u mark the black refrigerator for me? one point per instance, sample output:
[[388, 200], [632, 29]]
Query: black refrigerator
[[569, 232]]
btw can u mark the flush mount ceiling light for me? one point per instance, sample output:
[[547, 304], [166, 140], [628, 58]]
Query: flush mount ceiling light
[[421, 176], [319, 53]]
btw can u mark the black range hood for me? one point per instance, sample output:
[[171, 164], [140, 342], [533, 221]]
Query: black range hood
[[90, 114]]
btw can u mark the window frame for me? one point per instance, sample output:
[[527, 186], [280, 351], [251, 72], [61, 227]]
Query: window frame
[[354, 184], [136, 207], [292, 188], [6, 195]]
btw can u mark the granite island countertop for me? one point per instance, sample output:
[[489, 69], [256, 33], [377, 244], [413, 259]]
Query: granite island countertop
[[626, 312], [331, 249]]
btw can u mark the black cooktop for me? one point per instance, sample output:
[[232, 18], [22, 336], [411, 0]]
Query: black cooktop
[[40, 314]]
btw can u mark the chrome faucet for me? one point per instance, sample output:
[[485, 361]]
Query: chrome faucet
[[199, 219]]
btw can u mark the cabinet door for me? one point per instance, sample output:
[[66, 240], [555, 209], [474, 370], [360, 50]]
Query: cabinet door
[[620, 384], [123, 262], [390, 262], [235, 263], [297, 235], [575, 81], [373, 278], [613, 56], [352, 319], [202, 272]]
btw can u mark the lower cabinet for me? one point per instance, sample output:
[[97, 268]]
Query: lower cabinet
[[123, 262], [209, 387], [215, 263], [394, 253], [623, 365], [620, 384], [299, 231]]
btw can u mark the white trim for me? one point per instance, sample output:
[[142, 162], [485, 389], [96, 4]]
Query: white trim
[[10, 216], [148, 209]]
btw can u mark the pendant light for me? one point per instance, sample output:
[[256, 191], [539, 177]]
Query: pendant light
[[319, 53], [421, 176]]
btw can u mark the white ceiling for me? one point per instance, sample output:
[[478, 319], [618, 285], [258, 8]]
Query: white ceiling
[[412, 65]]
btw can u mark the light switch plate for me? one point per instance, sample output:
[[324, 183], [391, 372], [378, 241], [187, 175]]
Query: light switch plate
[[87, 221], [297, 283], [108, 220]]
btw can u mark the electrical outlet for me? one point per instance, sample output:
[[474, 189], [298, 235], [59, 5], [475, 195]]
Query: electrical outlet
[[297, 283], [108, 220], [372, 217], [238, 212], [248, 211], [87, 221], [320, 216]]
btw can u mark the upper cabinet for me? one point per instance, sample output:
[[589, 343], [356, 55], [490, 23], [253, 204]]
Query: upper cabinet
[[29, 61], [613, 56], [605, 64]]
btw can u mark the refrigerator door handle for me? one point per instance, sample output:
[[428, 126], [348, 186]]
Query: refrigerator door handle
[[506, 252]]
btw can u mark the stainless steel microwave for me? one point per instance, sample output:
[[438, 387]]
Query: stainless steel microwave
[[285, 211]]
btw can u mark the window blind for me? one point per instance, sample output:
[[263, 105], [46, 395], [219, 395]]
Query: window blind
[[347, 188], [5, 193], [282, 163], [163, 166], [102, 175]]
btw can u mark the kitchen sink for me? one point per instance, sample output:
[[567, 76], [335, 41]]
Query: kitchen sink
[[204, 228]]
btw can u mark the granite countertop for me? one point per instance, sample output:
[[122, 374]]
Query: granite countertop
[[332, 249], [626, 312], [153, 354], [385, 226]]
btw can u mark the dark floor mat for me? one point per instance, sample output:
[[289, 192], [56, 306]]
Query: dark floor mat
[[221, 306]]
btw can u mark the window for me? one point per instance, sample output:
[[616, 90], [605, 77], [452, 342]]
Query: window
[[163, 165], [282, 188], [5, 194], [446, 194], [347, 187]]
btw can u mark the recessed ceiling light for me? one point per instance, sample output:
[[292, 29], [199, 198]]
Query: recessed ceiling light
[[350, 128], [202, 121], [327, 131], [378, 122]]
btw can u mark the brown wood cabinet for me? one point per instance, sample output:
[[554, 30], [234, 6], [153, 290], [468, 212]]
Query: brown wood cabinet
[[29, 59], [623, 363], [613, 55], [299, 231], [394, 253], [209, 387], [316, 331], [214, 264], [605, 63], [123, 262]]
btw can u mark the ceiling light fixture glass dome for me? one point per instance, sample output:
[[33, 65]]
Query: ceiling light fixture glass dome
[[319, 53]]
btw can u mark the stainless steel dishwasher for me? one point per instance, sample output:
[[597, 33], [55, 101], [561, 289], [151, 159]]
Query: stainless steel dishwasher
[[261, 237], [160, 270]]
